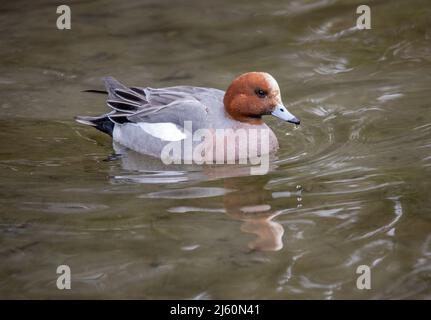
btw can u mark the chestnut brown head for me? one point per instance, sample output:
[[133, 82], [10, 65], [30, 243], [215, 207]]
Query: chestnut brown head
[[253, 95]]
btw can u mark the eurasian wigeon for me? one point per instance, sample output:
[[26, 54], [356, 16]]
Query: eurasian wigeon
[[147, 119]]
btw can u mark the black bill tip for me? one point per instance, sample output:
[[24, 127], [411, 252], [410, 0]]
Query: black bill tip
[[295, 121]]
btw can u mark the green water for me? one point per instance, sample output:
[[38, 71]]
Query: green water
[[350, 186]]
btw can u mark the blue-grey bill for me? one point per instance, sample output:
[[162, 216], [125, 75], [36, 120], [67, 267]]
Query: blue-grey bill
[[281, 112]]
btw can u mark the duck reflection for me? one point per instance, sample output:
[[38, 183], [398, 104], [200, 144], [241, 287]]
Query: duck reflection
[[251, 205], [269, 233], [245, 199]]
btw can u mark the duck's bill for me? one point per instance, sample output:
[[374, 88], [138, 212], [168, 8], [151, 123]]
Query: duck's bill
[[281, 112]]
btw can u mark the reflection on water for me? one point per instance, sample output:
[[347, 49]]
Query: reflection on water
[[350, 186], [255, 213]]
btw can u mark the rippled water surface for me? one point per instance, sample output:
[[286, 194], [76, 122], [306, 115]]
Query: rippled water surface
[[350, 186]]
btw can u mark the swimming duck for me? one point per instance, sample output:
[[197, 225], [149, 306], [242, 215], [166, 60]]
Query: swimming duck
[[146, 119]]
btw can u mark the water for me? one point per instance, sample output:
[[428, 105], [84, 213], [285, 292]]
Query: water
[[350, 186]]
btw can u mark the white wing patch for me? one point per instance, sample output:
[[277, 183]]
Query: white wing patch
[[166, 131]]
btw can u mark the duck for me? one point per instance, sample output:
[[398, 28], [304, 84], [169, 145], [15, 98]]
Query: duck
[[148, 120]]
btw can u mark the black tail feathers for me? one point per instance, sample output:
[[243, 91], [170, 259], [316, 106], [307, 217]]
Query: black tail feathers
[[124, 102], [102, 123]]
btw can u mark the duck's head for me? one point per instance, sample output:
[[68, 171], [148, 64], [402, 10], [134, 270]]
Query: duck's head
[[253, 95]]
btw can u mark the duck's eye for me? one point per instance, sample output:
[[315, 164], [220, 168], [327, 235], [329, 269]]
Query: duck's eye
[[260, 93]]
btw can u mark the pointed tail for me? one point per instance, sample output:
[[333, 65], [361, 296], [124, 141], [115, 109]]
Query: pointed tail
[[102, 123]]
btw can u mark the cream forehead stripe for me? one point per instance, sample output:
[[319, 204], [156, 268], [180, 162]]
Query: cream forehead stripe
[[274, 85], [271, 81]]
